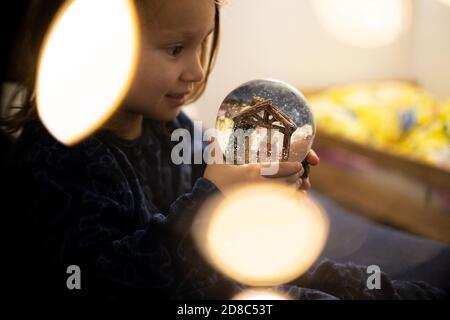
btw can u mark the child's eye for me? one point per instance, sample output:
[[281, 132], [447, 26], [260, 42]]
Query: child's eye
[[174, 51]]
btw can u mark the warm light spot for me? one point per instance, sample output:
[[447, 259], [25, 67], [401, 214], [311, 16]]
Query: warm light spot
[[85, 68], [262, 235], [364, 23], [447, 2], [261, 294]]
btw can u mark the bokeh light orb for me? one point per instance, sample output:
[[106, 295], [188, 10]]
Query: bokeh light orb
[[364, 23], [87, 62], [261, 294], [261, 234]]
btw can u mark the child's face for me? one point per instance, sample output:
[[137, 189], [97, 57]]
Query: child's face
[[169, 62]]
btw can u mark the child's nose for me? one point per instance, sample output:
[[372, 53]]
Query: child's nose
[[194, 71]]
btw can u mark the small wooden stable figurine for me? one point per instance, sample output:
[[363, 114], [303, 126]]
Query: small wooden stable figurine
[[264, 113]]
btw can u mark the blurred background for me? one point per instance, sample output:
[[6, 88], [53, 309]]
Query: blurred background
[[296, 41], [377, 75]]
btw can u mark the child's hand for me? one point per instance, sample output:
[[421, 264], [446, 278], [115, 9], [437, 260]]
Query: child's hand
[[224, 175], [312, 159]]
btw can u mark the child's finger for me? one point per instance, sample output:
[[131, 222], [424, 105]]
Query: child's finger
[[312, 158], [305, 184], [290, 180], [284, 169], [293, 178]]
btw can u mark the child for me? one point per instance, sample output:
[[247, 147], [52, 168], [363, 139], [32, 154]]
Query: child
[[116, 207]]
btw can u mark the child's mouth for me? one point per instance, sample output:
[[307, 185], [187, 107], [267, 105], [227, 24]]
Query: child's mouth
[[177, 98]]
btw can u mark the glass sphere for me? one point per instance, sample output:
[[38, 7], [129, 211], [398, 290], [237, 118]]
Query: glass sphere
[[263, 121]]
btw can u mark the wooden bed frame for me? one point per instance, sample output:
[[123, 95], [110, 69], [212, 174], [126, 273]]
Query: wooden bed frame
[[385, 187], [394, 190]]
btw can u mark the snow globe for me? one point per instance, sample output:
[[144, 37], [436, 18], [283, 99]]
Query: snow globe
[[265, 120]]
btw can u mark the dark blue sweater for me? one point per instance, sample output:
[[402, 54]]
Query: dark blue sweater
[[121, 211], [118, 209]]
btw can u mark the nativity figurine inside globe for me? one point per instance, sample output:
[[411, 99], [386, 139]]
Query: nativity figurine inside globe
[[265, 121]]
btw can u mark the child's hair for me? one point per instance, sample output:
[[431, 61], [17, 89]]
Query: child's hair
[[26, 51]]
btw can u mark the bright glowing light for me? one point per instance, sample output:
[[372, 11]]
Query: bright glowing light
[[261, 294], [262, 235], [364, 23], [85, 68], [447, 2]]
